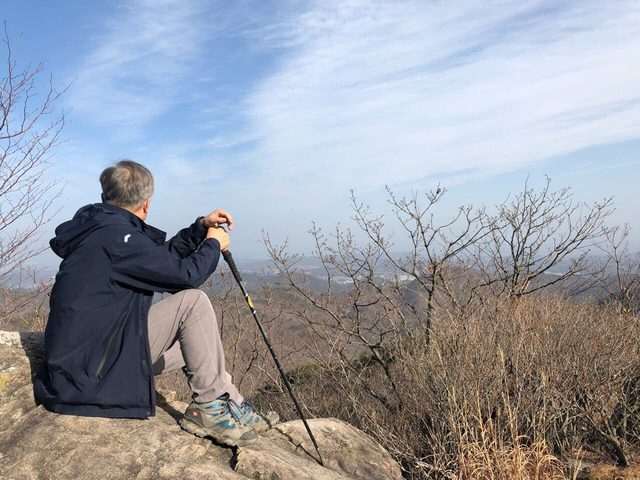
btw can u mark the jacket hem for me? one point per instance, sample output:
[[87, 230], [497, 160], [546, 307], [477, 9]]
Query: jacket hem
[[96, 411]]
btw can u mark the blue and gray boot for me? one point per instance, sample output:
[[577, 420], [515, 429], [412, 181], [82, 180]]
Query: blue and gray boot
[[217, 420], [249, 417]]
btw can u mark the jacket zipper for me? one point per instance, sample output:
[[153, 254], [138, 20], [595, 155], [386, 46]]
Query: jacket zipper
[[106, 351]]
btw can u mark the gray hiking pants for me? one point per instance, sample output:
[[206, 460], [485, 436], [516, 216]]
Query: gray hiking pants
[[183, 331]]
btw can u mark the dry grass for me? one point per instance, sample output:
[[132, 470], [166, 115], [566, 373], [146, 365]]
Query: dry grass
[[509, 392], [519, 461], [24, 309]]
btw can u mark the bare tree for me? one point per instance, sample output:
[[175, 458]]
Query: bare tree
[[618, 275], [542, 239], [437, 249], [30, 128], [374, 297]]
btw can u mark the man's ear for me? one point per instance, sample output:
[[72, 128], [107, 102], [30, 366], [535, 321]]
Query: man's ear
[[146, 205]]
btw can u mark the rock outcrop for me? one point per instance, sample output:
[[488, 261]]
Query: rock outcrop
[[37, 444]]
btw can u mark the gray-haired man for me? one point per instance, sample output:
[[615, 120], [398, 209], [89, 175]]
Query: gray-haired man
[[104, 341]]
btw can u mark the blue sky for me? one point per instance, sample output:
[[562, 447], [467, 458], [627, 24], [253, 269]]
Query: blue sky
[[274, 110]]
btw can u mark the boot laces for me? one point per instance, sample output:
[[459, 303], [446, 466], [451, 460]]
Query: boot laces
[[243, 408], [226, 407]]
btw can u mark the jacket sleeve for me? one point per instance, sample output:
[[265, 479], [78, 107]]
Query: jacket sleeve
[[140, 263], [187, 240]]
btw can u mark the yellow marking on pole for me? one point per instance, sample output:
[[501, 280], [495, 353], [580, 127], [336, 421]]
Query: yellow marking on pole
[[249, 301]]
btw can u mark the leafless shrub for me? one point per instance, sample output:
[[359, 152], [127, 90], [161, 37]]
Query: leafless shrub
[[542, 239], [548, 375], [29, 131], [618, 272], [436, 248], [25, 308], [439, 353]]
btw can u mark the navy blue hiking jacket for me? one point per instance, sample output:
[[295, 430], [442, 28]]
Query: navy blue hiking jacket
[[98, 359]]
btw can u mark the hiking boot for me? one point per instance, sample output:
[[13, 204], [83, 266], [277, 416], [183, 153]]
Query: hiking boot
[[249, 417], [217, 420]]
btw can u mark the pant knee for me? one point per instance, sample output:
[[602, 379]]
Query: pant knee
[[195, 296], [198, 301]]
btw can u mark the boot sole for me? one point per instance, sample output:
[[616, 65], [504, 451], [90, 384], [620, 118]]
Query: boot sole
[[202, 432]]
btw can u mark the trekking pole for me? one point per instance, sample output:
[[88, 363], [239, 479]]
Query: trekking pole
[[236, 274]]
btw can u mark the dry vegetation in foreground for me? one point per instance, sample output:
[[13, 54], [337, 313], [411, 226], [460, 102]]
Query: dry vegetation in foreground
[[517, 391], [539, 388], [499, 346]]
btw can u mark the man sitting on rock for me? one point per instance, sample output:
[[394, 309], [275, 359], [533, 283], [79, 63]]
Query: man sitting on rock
[[104, 340]]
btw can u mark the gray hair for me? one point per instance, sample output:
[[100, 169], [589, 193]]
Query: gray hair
[[126, 184]]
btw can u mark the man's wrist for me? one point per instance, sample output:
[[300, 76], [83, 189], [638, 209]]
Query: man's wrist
[[215, 242]]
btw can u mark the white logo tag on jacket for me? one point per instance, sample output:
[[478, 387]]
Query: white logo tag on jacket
[[126, 237]]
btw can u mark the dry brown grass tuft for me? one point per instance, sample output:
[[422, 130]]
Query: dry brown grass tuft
[[519, 461]]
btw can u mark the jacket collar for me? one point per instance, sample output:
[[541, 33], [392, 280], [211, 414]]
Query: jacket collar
[[155, 234]]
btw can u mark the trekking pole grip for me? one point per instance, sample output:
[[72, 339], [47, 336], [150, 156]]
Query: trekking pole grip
[[226, 254]]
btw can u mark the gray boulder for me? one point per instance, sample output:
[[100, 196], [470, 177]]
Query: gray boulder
[[37, 444]]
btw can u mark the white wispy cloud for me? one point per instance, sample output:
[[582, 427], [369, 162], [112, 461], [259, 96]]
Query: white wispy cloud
[[373, 93], [139, 62], [347, 94]]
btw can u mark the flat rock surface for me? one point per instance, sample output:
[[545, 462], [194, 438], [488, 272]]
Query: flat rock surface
[[37, 444]]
